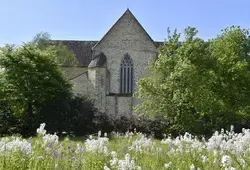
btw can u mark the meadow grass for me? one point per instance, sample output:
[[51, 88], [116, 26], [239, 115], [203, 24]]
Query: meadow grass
[[130, 151]]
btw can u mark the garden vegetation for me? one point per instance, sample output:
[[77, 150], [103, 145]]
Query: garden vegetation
[[130, 151], [196, 87], [199, 85]]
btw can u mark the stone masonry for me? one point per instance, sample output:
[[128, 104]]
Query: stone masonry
[[98, 76]]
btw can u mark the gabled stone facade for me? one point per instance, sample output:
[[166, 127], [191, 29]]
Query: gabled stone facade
[[105, 75]]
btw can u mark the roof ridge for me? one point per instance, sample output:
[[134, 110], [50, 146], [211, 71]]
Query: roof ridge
[[127, 11], [77, 40]]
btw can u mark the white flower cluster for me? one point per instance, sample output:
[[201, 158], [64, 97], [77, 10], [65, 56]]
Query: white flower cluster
[[226, 162], [41, 131], [126, 164], [168, 165], [15, 145], [225, 149], [98, 145], [129, 134], [49, 140], [220, 143], [186, 143], [142, 144], [237, 143]]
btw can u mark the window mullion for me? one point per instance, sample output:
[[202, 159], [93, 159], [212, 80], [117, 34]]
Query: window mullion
[[121, 78], [124, 79], [132, 79], [128, 79]]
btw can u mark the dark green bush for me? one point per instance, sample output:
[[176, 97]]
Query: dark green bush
[[8, 122], [150, 126], [73, 115]]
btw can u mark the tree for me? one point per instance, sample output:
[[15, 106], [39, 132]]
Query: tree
[[64, 57], [203, 82], [31, 77]]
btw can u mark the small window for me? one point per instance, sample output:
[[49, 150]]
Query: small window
[[126, 75]]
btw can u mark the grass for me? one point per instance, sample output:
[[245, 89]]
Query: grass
[[124, 152]]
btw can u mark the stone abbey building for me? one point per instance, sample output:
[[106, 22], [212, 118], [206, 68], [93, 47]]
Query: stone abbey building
[[108, 70]]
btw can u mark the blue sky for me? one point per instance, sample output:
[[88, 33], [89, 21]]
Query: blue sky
[[20, 20]]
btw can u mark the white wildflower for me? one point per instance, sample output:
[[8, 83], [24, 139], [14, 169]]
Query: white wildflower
[[226, 161], [106, 168], [99, 133], [15, 145], [192, 167], [50, 140], [204, 158], [143, 143], [98, 145], [127, 164], [56, 166], [41, 131], [114, 160], [168, 165]]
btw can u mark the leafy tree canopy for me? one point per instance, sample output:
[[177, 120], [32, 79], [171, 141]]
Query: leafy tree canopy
[[64, 57], [30, 74], [200, 84]]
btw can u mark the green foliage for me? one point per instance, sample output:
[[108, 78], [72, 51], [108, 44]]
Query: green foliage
[[8, 122], [74, 115], [149, 126], [30, 78], [203, 82], [64, 57], [134, 151]]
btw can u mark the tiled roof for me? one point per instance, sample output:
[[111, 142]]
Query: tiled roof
[[83, 49]]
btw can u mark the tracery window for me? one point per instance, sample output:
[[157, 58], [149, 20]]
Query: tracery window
[[126, 75]]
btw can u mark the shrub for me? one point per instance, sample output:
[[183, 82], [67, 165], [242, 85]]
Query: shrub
[[8, 122], [155, 126], [74, 116]]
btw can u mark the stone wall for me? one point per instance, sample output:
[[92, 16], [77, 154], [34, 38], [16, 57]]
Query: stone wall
[[100, 90], [118, 106], [102, 84], [126, 36], [79, 78], [124, 105], [111, 106]]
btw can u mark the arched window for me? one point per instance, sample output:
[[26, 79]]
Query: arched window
[[126, 75]]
